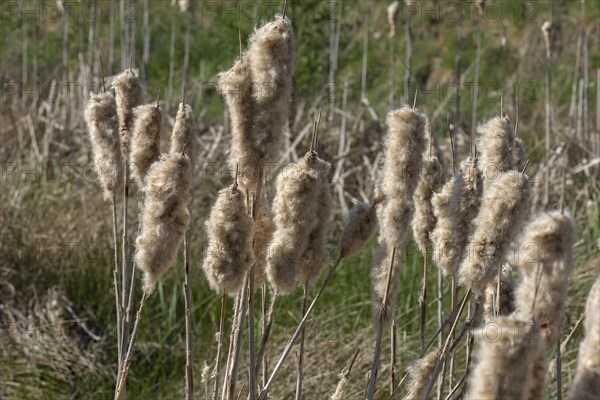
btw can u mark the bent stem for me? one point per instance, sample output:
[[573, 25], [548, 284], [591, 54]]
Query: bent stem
[[127, 360], [288, 348]]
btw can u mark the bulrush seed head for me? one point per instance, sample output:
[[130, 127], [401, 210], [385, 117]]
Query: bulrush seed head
[[424, 219], [181, 138], [443, 235], [230, 232], [504, 359], [129, 95], [586, 385], [295, 205], [419, 373], [101, 119], [359, 229], [165, 217], [467, 204], [145, 141], [496, 145], [503, 208]]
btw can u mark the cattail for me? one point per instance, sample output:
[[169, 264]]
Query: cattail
[[546, 271], [468, 203], [129, 95], [384, 263], [519, 154], [295, 210], [502, 365], [230, 232], [359, 229], [101, 118], [271, 58], [505, 303], [546, 31], [419, 374], [165, 217], [236, 87], [144, 141], [503, 209], [392, 16], [541, 294], [341, 391], [424, 220], [586, 385], [181, 138], [444, 206], [263, 233], [316, 257], [184, 5], [496, 147], [403, 158]]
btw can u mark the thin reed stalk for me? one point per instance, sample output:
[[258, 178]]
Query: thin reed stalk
[[237, 344], [189, 365], [300, 372], [219, 347], [423, 306], [129, 354], [251, 344], [382, 317], [288, 348], [261, 358]]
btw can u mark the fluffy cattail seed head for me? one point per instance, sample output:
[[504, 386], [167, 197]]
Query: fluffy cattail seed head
[[586, 385], [392, 16], [165, 217], [145, 141], [230, 231], [101, 119], [503, 209], [519, 154], [502, 366], [359, 229], [419, 373], [424, 220], [547, 241], [496, 148], [181, 138], [443, 237], [467, 203], [505, 303], [263, 234], [129, 95], [295, 208]]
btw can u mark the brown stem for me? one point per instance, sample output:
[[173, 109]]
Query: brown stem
[[302, 339], [189, 366], [219, 346]]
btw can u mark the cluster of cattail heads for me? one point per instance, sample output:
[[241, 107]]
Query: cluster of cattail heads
[[129, 95], [256, 90], [504, 206], [300, 204], [165, 217], [230, 230], [424, 220], [144, 141], [496, 145], [101, 118], [443, 236]]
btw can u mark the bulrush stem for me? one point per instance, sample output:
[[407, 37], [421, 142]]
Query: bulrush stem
[[236, 311], [251, 355], [237, 344], [440, 362], [382, 317], [219, 347], [117, 282], [187, 293], [267, 322], [302, 338], [127, 360], [288, 348], [451, 371], [124, 257], [393, 346], [423, 305], [558, 370]]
